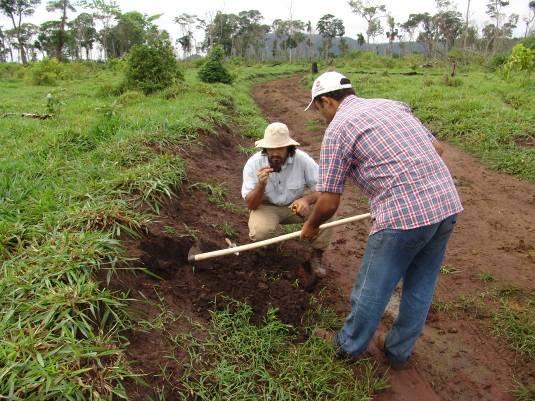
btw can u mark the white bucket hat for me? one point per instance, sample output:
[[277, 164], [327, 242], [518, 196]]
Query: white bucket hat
[[276, 135], [327, 82]]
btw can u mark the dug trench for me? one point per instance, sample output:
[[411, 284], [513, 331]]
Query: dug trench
[[456, 357]]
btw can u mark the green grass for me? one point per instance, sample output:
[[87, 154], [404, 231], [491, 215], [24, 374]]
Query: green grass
[[514, 320], [103, 166], [477, 109], [239, 360], [69, 187], [510, 310]]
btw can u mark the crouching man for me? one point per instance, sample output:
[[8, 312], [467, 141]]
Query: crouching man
[[274, 184]]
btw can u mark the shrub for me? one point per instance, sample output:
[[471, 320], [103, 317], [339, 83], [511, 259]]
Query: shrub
[[11, 71], [130, 97], [497, 61], [521, 59], [46, 72], [529, 42], [213, 70], [451, 81], [151, 67]]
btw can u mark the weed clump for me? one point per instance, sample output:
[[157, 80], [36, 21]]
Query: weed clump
[[153, 67], [213, 70], [46, 72]]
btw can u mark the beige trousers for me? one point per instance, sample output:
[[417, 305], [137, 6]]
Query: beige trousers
[[265, 220]]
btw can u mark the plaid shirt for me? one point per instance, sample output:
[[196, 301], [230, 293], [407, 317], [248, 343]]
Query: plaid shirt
[[390, 156]]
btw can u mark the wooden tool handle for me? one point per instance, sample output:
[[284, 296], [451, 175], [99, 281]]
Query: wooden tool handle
[[280, 238]]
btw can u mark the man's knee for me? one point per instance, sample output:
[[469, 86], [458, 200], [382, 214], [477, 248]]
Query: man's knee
[[259, 232]]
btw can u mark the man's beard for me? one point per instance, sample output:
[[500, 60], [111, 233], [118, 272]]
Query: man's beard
[[276, 163]]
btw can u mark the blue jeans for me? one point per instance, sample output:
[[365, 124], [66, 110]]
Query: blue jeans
[[414, 255]]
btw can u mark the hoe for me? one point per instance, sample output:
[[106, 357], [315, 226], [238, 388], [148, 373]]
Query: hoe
[[195, 254]]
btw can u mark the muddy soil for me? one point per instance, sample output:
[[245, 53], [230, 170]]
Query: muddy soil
[[456, 358]]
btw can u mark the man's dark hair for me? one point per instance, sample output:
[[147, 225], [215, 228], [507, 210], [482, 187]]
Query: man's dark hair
[[291, 150], [339, 94]]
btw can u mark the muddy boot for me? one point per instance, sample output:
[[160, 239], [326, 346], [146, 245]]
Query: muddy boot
[[316, 263]]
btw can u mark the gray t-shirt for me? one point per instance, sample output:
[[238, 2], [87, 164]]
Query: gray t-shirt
[[298, 173]]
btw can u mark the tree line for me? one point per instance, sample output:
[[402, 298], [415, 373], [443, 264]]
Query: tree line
[[99, 25]]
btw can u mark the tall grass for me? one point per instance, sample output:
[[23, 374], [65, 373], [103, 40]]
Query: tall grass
[[69, 187], [237, 360]]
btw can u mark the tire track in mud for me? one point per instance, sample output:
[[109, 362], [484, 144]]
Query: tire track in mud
[[455, 359]]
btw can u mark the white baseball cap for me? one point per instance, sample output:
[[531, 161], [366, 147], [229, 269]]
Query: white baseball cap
[[328, 82]]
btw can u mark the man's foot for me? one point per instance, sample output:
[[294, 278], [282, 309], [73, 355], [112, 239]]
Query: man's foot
[[329, 336], [396, 365], [316, 263]]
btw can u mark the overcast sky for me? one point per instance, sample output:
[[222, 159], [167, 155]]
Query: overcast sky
[[304, 10]]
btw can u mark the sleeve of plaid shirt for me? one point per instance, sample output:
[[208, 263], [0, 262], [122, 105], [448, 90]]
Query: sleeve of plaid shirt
[[334, 163]]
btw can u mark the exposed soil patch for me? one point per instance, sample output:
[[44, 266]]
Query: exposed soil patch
[[457, 358], [272, 277]]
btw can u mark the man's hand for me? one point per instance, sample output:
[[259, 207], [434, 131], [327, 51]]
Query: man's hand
[[301, 207], [309, 232], [263, 174]]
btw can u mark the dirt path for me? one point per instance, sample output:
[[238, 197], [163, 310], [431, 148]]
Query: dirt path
[[456, 358]]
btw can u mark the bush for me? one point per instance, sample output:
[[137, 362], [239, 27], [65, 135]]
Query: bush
[[451, 81], [497, 61], [151, 68], [521, 59], [529, 42], [213, 71], [130, 97], [11, 71], [46, 72]]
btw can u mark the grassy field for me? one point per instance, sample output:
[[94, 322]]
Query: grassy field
[[69, 186], [72, 184], [486, 115]]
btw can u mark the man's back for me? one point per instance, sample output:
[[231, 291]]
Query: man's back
[[391, 157]]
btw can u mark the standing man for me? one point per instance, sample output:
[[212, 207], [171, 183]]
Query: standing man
[[396, 162], [274, 184]]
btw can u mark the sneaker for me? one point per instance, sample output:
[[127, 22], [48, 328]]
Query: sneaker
[[316, 265]]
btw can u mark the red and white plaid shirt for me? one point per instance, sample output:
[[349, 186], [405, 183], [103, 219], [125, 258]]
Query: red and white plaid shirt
[[389, 154]]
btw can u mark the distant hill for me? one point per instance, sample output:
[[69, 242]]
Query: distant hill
[[380, 48]]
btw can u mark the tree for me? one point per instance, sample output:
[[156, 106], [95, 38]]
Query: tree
[[309, 40], [370, 13], [83, 32], [530, 18], [16, 10], [222, 31], [63, 6], [428, 32], [449, 25], [465, 34], [48, 38], [410, 26], [104, 11], [186, 23], [360, 40], [133, 28], [495, 32], [289, 34], [392, 33], [3, 46], [329, 27], [250, 33]]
